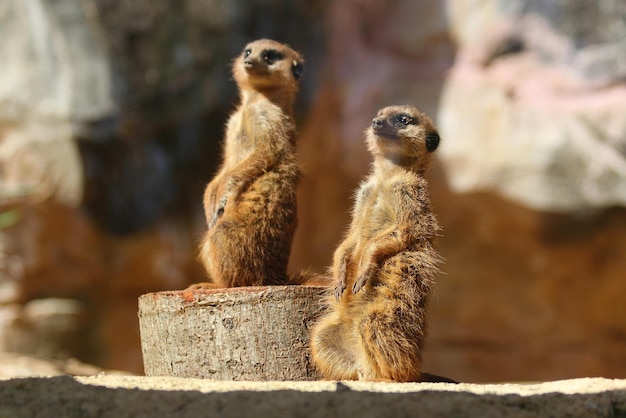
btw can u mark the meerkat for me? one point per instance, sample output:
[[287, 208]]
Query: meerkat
[[375, 330], [250, 205]]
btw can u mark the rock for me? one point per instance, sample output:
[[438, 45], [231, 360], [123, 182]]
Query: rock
[[52, 250], [531, 123], [56, 74], [20, 366], [129, 396], [55, 64], [524, 295], [39, 160], [45, 328]]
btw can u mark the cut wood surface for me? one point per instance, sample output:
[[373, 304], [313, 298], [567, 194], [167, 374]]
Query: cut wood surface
[[246, 333]]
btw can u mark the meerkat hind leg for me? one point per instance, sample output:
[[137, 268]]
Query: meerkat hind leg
[[387, 352], [332, 355]]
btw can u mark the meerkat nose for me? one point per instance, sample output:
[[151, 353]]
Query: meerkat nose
[[251, 64], [377, 123]]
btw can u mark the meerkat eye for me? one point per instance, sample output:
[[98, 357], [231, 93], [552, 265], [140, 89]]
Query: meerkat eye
[[270, 56], [247, 53], [405, 120]]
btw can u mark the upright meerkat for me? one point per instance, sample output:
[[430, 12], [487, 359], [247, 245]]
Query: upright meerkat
[[376, 329], [250, 205]]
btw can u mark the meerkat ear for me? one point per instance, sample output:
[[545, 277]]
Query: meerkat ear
[[296, 69], [432, 141]]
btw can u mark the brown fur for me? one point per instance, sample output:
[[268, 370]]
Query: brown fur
[[375, 330], [250, 205]]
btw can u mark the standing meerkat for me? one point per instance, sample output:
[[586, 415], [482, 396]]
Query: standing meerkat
[[250, 205], [375, 330]]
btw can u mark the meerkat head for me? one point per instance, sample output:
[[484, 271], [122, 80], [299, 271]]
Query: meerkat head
[[265, 64], [403, 135]]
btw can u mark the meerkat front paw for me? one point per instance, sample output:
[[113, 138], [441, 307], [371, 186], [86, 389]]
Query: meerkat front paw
[[218, 214], [340, 286], [341, 272], [362, 280], [219, 211]]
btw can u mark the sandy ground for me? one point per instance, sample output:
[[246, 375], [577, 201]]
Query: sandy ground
[[37, 388], [136, 396]]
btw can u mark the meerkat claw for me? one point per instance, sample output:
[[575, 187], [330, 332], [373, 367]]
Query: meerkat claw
[[358, 285], [218, 214], [339, 288]]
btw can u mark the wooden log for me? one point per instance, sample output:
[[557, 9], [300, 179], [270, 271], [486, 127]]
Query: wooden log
[[246, 333]]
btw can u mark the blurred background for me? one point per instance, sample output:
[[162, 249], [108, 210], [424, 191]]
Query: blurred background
[[111, 122]]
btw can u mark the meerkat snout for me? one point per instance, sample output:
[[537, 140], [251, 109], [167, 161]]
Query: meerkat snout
[[377, 123], [383, 127]]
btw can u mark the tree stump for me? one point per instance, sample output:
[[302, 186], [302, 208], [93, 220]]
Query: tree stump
[[246, 333]]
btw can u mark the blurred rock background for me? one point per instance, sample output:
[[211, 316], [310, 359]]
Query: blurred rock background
[[111, 119]]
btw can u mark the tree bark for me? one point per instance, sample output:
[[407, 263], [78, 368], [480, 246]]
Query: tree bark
[[246, 333]]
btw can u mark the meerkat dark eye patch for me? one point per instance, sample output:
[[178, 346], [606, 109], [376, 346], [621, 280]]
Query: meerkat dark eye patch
[[270, 56], [247, 52], [297, 69], [404, 119], [432, 141]]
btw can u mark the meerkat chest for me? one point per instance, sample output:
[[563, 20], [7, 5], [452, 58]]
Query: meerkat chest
[[385, 201], [376, 208], [253, 126], [263, 116]]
